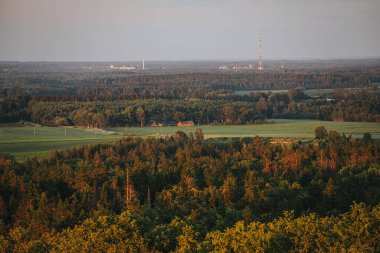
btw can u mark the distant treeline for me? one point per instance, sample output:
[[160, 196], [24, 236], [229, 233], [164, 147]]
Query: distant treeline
[[103, 85], [100, 99], [358, 105]]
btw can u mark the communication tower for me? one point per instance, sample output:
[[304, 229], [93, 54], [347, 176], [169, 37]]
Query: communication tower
[[260, 66]]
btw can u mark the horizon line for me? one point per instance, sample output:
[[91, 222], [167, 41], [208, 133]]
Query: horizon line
[[208, 59]]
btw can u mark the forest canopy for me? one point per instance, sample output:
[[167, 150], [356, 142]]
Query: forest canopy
[[182, 193]]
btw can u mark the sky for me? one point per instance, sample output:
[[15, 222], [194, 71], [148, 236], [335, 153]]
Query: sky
[[127, 30]]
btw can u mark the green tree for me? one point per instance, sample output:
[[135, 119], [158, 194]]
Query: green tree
[[199, 135], [320, 132], [229, 189], [179, 116], [140, 114]]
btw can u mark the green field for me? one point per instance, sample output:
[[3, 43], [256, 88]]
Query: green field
[[280, 129], [21, 142], [247, 92], [309, 92]]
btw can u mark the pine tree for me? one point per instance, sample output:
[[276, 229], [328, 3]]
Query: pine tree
[[148, 198], [329, 190], [130, 193]]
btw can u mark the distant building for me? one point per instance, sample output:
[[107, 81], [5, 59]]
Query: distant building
[[156, 124], [122, 67], [186, 123], [223, 67], [236, 67], [338, 119], [249, 67]]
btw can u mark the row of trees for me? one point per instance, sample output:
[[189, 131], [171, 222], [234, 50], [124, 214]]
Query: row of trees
[[184, 193], [360, 105]]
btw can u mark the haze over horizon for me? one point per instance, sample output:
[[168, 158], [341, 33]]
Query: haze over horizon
[[116, 30]]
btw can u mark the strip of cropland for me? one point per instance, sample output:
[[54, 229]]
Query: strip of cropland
[[24, 142], [281, 128]]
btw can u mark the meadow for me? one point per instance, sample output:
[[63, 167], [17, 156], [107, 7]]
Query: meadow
[[281, 128], [26, 141], [309, 92], [21, 141]]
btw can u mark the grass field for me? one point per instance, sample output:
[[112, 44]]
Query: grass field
[[310, 92], [281, 128], [21, 142]]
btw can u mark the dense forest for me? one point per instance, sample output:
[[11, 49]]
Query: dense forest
[[103, 84], [356, 105], [185, 194]]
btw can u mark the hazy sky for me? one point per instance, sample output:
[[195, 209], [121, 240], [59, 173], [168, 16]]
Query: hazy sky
[[122, 30]]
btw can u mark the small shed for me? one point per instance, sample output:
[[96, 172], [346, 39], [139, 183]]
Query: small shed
[[186, 123]]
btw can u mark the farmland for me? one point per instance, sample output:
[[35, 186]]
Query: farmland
[[309, 92], [21, 141], [280, 128]]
